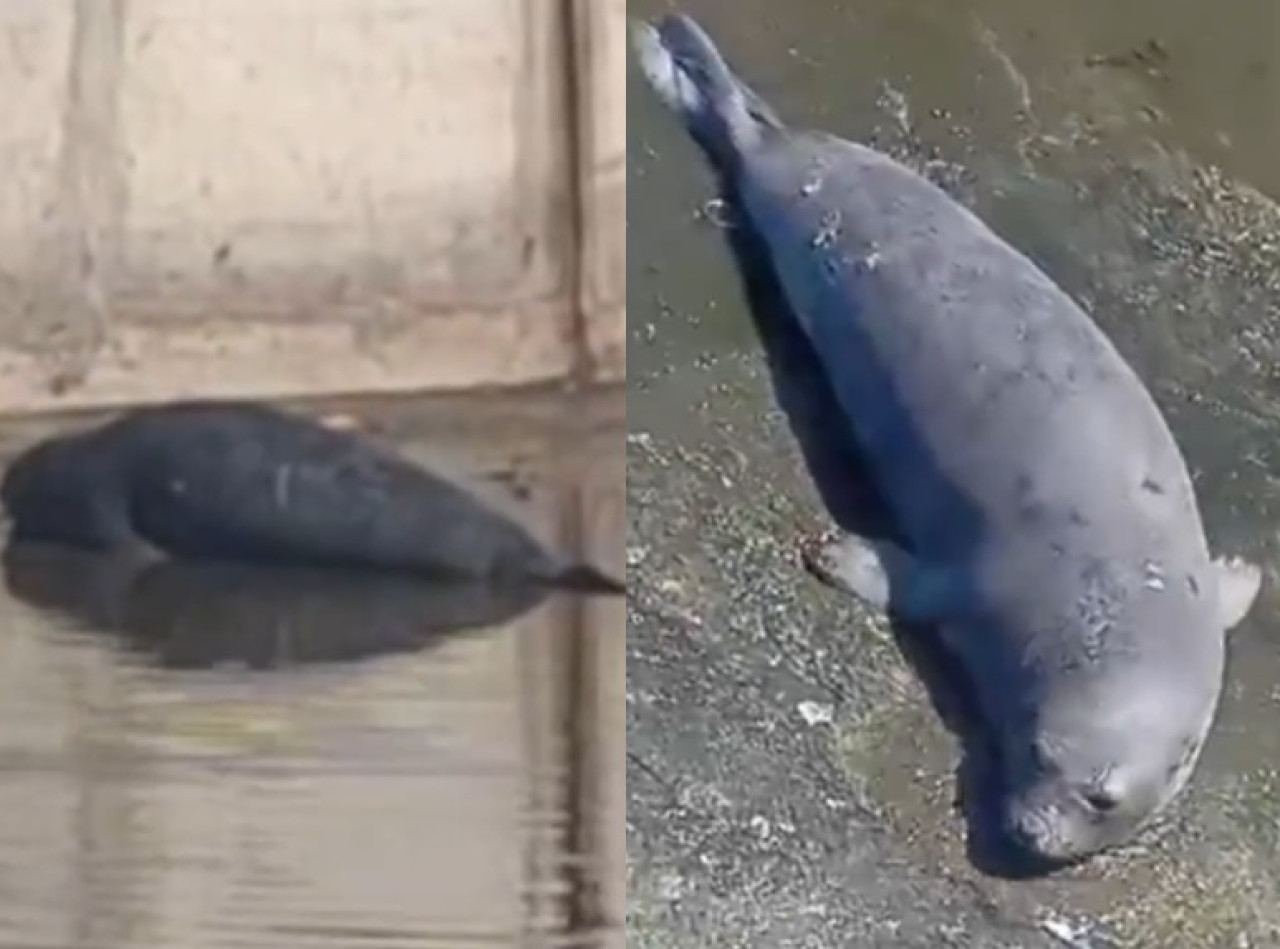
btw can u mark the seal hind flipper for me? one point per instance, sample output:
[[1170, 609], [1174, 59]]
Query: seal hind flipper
[[691, 78], [1238, 584], [885, 577]]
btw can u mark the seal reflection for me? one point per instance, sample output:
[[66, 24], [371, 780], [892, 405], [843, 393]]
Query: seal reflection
[[198, 614]]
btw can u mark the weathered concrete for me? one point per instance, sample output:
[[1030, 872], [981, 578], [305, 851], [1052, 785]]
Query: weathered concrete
[[301, 197], [605, 247]]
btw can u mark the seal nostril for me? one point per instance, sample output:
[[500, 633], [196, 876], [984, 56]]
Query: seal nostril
[[1101, 802], [1024, 831], [1033, 834]]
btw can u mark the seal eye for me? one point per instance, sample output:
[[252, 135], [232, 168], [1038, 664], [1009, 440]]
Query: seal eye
[[1101, 801]]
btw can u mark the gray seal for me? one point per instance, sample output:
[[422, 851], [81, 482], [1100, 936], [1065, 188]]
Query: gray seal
[[1044, 518], [244, 482]]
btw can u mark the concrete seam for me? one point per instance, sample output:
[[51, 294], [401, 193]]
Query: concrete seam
[[577, 22], [83, 255]]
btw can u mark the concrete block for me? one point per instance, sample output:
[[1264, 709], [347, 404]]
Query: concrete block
[[34, 38], [385, 140], [281, 198]]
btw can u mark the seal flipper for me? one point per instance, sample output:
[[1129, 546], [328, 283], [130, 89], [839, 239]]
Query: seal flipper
[[885, 577], [691, 78], [1238, 583]]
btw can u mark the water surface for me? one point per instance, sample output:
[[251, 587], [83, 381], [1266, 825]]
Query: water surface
[[214, 757]]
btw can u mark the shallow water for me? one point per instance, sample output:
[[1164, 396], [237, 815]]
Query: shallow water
[[204, 759], [1131, 149]]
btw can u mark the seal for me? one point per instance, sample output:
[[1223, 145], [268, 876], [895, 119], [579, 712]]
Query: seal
[[1044, 520], [244, 482]]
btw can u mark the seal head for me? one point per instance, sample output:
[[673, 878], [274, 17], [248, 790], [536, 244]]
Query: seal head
[[1088, 776]]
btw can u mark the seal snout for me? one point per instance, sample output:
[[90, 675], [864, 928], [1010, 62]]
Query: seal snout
[[1031, 831], [1039, 833]]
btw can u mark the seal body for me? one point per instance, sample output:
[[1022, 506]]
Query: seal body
[[1044, 516], [832, 454], [248, 483]]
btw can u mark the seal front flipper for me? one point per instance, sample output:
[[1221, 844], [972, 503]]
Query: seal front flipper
[[885, 577], [1238, 583]]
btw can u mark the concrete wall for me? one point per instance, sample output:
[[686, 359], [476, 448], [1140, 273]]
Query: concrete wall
[[274, 197]]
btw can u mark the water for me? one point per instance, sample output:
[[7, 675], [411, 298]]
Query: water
[[1130, 149], [202, 757]]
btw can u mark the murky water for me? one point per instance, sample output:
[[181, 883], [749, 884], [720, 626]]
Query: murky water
[[1131, 149], [210, 757]]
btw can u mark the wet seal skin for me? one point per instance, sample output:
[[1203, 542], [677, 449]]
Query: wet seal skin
[[202, 615], [1026, 498], [244, 482]]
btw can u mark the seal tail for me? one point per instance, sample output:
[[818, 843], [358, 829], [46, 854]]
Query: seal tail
[[691, 78]]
